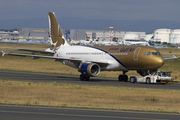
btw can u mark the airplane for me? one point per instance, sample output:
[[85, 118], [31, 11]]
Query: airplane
[[91, 60], [137, 42], [88, 41], [151, 39]]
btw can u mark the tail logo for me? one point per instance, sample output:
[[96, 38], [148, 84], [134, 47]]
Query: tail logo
[[56, 33], [151, 39]]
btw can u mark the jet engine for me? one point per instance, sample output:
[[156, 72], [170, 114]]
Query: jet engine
[[90, 69]]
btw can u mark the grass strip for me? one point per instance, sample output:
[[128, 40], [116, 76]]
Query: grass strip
[[88, 96]]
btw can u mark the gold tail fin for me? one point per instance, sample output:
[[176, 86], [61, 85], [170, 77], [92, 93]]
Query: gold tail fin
[[55, 30]]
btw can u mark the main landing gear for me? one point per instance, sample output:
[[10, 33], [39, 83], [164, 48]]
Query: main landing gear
[[84, 77], [123, 77]]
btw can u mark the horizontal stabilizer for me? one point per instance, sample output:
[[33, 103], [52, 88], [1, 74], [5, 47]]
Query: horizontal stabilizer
[[37, 51]]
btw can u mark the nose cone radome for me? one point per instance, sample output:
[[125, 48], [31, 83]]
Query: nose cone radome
[[159, 62]]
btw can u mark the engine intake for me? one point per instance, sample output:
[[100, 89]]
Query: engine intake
[[90, 69]]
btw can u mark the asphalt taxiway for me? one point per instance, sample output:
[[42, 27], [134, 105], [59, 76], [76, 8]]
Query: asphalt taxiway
[[15, 112], [11, 75]]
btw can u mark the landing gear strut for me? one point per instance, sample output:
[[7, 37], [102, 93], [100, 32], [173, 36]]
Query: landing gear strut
[[123, 77], [84, 77]]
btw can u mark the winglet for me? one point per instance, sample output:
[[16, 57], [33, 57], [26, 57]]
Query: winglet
[[3, 53], [174, 56]]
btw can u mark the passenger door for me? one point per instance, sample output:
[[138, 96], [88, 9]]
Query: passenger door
[[136, 53]]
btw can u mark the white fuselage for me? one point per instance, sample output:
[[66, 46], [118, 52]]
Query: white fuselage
[[88, 54]]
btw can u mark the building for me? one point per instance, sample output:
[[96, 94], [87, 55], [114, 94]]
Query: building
[[35, 32], [105, 35], [25, 35], [76, 34], [41, 35]]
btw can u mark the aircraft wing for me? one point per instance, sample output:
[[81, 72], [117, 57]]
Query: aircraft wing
[[72, 59], [170, 58], [36, 51]]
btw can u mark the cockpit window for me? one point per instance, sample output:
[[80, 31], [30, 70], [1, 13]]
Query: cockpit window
[[149, 53], [154, 53], [159, 53]]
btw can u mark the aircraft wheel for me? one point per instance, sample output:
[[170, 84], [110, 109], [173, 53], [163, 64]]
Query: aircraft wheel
[[125, 78], [82, 77], [120, 77], [86, 78], [148, 81]]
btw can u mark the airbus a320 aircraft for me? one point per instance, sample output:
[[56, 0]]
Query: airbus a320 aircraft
[[90, 60]]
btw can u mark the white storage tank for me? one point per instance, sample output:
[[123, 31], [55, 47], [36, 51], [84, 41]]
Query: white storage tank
[[131, 36], [162, 35], [175, 36]]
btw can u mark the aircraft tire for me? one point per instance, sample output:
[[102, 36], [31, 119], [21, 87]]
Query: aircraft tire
[[125, 78], [86, 78], [120, 78], [82, 77]]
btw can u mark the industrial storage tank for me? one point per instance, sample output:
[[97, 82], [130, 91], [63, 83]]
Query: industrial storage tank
[[175, 36], [162, 31], [131, 36], [162, 35]]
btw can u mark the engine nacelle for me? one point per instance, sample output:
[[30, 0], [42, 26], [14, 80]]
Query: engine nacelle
[[90, 69]]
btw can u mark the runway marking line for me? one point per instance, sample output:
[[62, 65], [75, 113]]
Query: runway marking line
[[80, 115]]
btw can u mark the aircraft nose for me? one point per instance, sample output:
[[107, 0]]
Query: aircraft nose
[[159, 61]]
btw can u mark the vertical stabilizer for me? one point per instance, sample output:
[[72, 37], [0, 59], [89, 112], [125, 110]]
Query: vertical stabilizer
[[57, 38], [151, 39]]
